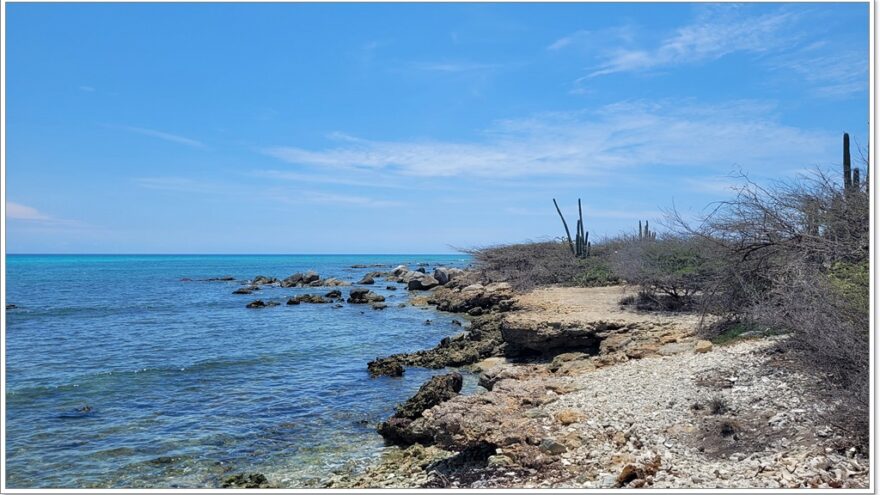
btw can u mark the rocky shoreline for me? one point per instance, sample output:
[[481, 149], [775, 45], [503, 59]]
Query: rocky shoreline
[[578, 391], [583, 393]]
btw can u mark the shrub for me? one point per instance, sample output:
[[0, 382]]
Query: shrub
[[532, 264], [670, 271]]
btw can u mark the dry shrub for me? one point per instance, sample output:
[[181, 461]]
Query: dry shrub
[[534, 264], [794, 256]]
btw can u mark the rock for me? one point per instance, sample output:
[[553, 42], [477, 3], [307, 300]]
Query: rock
[[397, 430], [226, 278], [256, 304], [607, 481], [293, 280], [399, 270], [379, 305], [334, 294], [385, 368], [263, 280], [427, 322], [364, 296], [333, 282], [703, 346], [421, 269], [245, 290], [367, 280], [441, 275], [391, 287], [483, 340], [456, 300], [499, 460], [672, 348], [11, 306], [307, 298], [551, 337], [425, 282], [246, 480], [570, 416], [310, 276], [566, 357], [553, 447]]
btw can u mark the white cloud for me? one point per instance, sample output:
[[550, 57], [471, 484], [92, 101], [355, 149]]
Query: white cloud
[[17, 211], [830, 71], [317, 197], [591, 143], [718, 32], [87, 89], [173, 138]]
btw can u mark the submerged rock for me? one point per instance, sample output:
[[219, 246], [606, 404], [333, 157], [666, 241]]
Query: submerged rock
[[307, 298], [246, 480], [385, 368], [225, 278], [256, 304], [245, 290]]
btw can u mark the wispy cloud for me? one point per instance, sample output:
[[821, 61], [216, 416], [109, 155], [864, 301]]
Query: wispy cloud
[[831, 71], [317, 197], [717, 32], [18, 211], [178, 184], [173, 138], [591, 143], [86, 89]]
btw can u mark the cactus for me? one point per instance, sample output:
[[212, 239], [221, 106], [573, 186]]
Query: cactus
[[581, 245], [645, 234], [567, 233], [847, 166]]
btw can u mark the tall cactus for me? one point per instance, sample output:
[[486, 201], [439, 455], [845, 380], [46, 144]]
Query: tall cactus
[[581, 245], [564, 224], [645, 234], [847, 165]]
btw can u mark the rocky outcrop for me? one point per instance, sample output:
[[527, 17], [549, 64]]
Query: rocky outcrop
[[555, 337], [263, 280], [492, 297], [435, 391], [482, 340], [246, 290], [364, 296], [227, 278], [367, 280], [334, 294]]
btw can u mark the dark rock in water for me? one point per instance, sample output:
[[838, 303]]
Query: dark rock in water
[[367, 280], [246, 480], [163, 460], [397, 430], [186, 279], [337, 305], [482, 340], [310, 276], [334, 294], [79, 412], [225, 278], [441, 275], [263, 280], [256, 304], [374, 265], [391, 287], [364, 296], [421, 268], [11, 306], [401, 305], [424, 282], [272, 303], [379, 305], [292, 280], [427, 322], [456, 323], [307, 298], [245, 290], [384, 368]]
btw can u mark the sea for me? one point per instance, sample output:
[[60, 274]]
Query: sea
[[134, 371]]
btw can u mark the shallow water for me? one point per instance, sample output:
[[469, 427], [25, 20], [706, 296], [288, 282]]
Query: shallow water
[[184, 383]]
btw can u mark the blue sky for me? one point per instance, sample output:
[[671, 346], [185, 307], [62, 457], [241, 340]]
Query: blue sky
[[369, 128]]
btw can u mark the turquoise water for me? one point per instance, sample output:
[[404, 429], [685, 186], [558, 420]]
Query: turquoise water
[[184, 383]]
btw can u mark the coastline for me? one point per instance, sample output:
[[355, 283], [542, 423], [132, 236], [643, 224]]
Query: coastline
[[583, 393]]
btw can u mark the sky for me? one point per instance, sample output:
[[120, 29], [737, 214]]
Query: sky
[[408, 128]]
